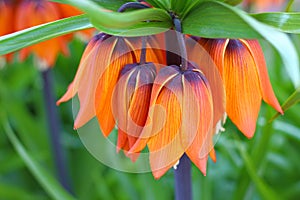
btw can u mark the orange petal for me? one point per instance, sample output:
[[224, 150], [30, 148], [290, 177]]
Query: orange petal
[[37, 13], [131, 99], [163, 77], [165, 145], [212, 155], [124, 143], [266, 87], [243, 96], [197, 117], [84, 65], [200, 56], [6, 16], [120, 56]]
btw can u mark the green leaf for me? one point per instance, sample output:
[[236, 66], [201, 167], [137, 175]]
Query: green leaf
[[231, 2], [108, 19], [140, 29], [111, 5], [292, 100], [265, 191], [107, 4], [214, 19], [36, 34], [164, 4], [47, 181], [283, 21]]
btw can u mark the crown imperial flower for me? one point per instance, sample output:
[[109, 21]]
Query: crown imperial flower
[[243, 69]]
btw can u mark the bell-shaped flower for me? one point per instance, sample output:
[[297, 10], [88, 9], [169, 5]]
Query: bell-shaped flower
[[243, 69], [97, 75], [180, 119], [31, 13], [131, 100]]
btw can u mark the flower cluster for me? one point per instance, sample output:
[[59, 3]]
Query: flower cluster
[[172, 108], [21, 14]]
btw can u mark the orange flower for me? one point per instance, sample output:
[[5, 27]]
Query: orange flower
[[180, 119], [31, 13], [101, 63], [243, 69], [131, 103], [97, 75]]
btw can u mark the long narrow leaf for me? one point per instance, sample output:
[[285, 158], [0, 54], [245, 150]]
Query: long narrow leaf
[[51, 185], [283, 21], [36, 34], [110, 19], [262, 187], [292, 100]]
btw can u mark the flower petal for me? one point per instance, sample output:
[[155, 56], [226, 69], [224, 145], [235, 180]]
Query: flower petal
[[120, 56], [163, 77], [266, 87], [201, 57], [243, 96], [165, 144], [197, 117]]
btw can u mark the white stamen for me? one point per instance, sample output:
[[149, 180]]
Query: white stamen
[[176, 165], [41, 64], [220, 123]]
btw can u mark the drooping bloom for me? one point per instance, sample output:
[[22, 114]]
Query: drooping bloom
[[243, 69], [114, 89], [131, 100], [31, 13], [97, 76], [180, 119], [101, 63]]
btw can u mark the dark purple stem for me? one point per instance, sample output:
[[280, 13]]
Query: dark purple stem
[[182, 175], [54, 130], [134, 5], [183, 179]]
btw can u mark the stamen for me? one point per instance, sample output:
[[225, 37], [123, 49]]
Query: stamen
[[219, 126], [176, 165]]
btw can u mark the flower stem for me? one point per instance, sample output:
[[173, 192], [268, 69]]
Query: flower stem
[[143, 51], [183, 181], [181, 43], [135, 5], [54, 130], [289, 6]]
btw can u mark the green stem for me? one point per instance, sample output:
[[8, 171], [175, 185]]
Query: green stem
[[289, 6]]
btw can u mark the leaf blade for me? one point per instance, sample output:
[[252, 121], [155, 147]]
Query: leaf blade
[[283, 21], [18, 40], [51, 186]]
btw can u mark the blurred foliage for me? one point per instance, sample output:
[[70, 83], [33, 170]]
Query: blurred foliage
[[260, 168]]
